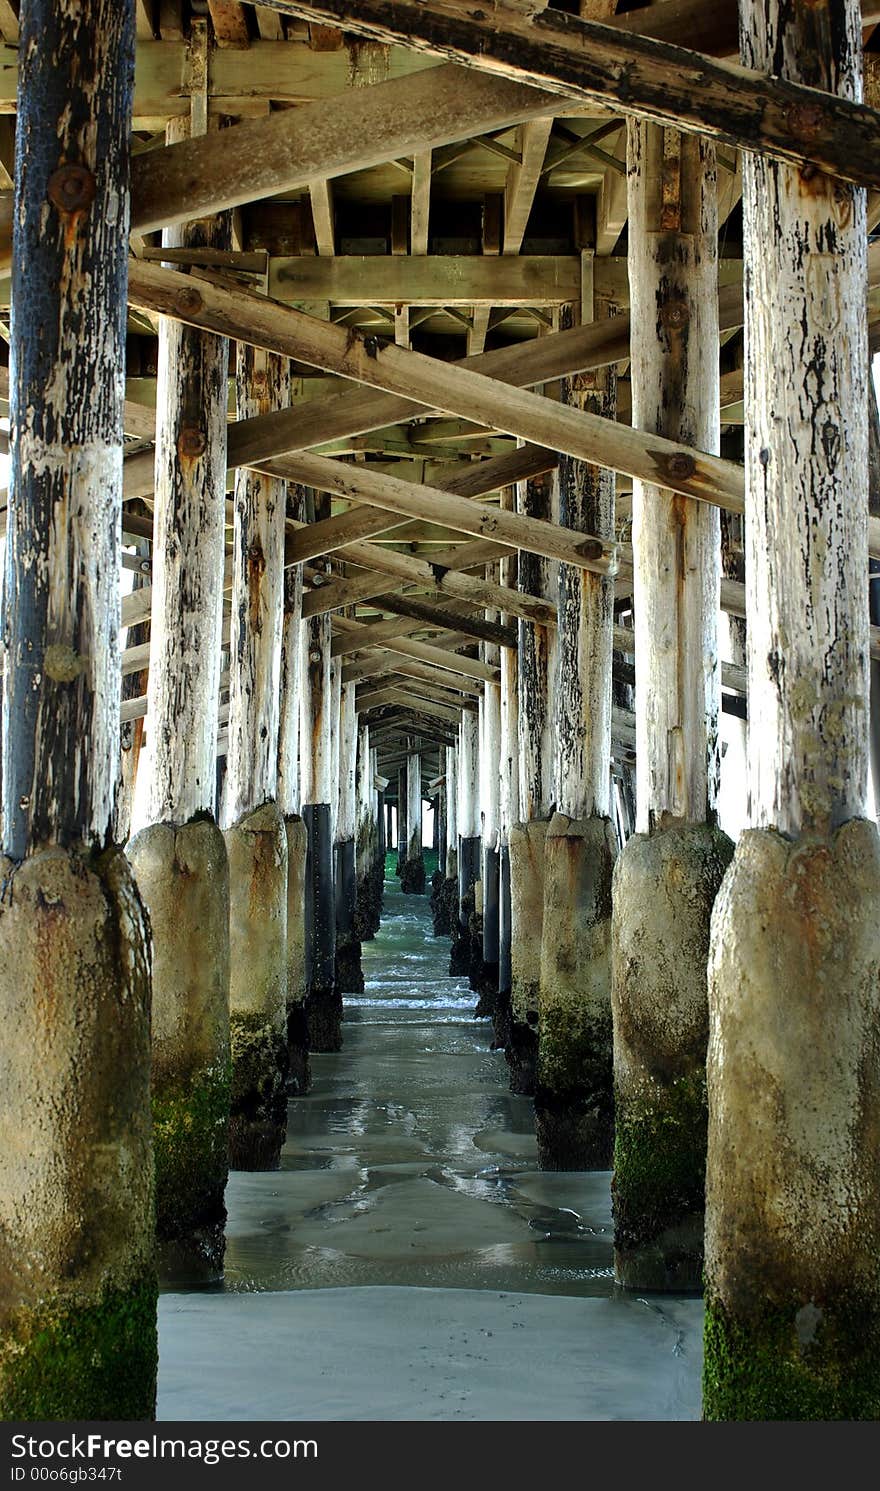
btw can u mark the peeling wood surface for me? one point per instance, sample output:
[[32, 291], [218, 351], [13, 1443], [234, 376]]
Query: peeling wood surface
[[68, 338], [536, 657], [316, 704], [262, 383], [806, 452], [188, 555], [468, 777], [676, 543], [288, 786]]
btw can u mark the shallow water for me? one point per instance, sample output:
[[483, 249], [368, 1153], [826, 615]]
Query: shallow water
[[411, 1164]]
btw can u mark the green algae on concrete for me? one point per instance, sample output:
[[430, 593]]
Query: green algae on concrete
[[77, 1278], [78, 1358], [799, 1362], [574, 1100], [258, 1122], [665, 885], [793, 1184], [191, 1144]]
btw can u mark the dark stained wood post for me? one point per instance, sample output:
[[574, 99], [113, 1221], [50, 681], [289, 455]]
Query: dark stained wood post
[[78, 1301]]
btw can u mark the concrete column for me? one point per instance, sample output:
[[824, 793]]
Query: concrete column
[[256, 837], [793, 1186], [323, 1001], [298, 1073], [574, 1098], [77, 1275], [349, 974], [526, 837], [412, 879], [669, 872], [180, 859]]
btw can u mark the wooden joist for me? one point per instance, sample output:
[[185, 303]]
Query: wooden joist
[[447, 280], [454, 388], [596, 63]]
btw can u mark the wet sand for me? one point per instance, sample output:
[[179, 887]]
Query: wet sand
[[409, 1261]]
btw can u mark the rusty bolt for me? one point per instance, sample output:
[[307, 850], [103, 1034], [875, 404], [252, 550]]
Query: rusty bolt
[[71, 188], [681, 467], [805, 120], [591, 548], [188, 301], [314, 656], [191, 442], [675, 315]]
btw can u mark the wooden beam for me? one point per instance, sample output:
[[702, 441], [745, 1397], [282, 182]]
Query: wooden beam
[[361, 484], [321, 197], [467, 667], [523, 177], [230, 23], [594, 62], [438, 279], [475, 481], [456, 389]]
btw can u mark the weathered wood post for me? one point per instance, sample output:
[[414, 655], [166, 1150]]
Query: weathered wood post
[[377, 837], [349, 974], [793, 1209], [468, 815], [299, 1074], [508, 801], [256, 839], [669, 872], [412, 879], [490, 793], [323, 1002], [179, 859], [535, 498], [370, 830], [574, 1098], [402, 806], [78, 1301], [438, 879]]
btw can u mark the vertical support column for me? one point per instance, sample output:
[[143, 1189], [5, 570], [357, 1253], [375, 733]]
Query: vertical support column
[[402, 815], [180, 859], [299, 1073], [526, 838], [323, 1002], [669, 871], [377, 837], [508, 803], [78, 1299], [574, 1099], [793, 1210], [412, 879], [349, 974], [490, 791], [438, 879], [450, 868], [461, 956], [256, 838]]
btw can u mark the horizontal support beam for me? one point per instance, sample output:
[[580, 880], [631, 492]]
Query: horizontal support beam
[[594, 63], [436, 279]]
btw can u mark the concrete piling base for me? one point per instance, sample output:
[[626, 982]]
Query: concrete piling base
[[299, 1077], [412, 877], [574, 1093], [78, 1302], [323, 1000], [349, 973], [665, 885], [258, 868], [793, 1190], [526, 852], [183, 877]]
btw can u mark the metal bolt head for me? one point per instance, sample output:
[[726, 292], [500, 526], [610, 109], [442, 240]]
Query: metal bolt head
[[71, 188], [675, 315], [188, 301], [681, 466], [805, 120]]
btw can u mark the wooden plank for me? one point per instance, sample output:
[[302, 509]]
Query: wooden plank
[[438, 279], [171, 20], [230, 23], [145, 18], [522, 182], [594, 62], [269, 23], [321, 197], [420, 206], [456, 389]]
